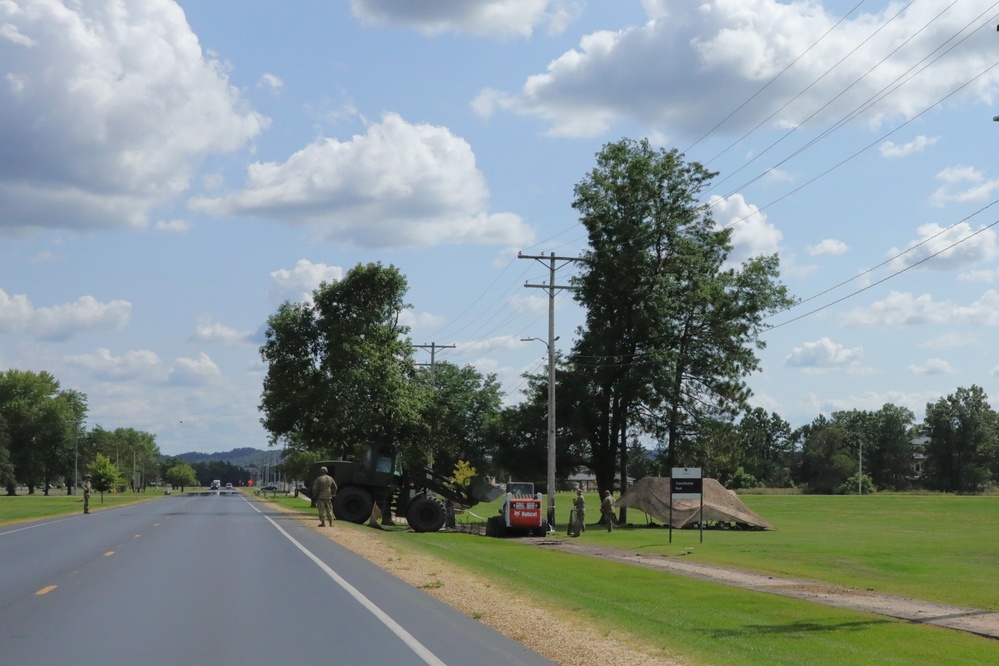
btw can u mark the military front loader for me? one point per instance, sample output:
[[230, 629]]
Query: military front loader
[[419, 494]]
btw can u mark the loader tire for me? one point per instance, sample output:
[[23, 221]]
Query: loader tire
[[495, 527], [426, 514], [353, 505]]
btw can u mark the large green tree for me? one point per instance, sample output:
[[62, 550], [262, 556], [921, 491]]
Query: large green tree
[[42, 423], [828, 455], [105, 477], [671, 330], [458, 416], [963, 431], [180, 475], [339, 369]]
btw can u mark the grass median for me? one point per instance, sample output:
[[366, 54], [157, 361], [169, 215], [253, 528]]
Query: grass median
[[21, 508]]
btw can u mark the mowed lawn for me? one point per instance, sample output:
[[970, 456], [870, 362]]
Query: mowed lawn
[[941, 548]]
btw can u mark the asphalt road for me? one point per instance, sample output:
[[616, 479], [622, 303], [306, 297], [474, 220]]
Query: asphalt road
[[217, 580]]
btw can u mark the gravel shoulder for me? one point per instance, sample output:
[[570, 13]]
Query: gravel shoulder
[[551, 632]]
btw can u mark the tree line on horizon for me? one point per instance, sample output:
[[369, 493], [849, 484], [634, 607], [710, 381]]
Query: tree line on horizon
[[44, 445]]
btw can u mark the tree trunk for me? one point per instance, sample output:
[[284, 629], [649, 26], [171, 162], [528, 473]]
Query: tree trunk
[[623, 518]]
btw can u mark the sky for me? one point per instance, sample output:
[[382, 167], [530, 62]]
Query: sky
[[171, 172]]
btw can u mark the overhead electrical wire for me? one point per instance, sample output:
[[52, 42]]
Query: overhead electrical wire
[[866, 105], [813, 83], [886, 278], [773, 79]]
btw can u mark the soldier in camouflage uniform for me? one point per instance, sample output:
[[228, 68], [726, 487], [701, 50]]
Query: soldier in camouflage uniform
[[323, 490], [86, 485], [607, 509], [578, 514]]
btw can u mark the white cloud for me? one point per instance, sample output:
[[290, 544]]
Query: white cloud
[[828, 247], [420, 320], [951, 341], [823, 353], [210, 332], [875, 400], [194, 371], [173, 226], [917, 145], [962, 184], [752, 234], [684, 67], [271, 81], [932, 366], [487, 345], [499, 18], [987, 276], [534, 304], [902, 309], [399, 185], [130, 365], [12, 34], [298, 283], [115, 108], [945, 249], [61, 322]]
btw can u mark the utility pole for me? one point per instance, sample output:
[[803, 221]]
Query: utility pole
[[433, 347], [551, 287]]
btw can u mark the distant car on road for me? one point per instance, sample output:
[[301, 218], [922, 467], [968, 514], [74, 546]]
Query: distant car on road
[[228, 486], [216, 484]]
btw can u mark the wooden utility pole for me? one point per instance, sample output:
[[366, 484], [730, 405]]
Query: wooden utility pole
[[551, 287], [433, 347]]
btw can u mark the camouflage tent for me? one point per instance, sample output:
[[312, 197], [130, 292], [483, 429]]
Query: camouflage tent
[[651, 495]]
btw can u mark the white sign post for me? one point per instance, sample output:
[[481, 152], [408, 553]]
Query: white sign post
[[686, 483]]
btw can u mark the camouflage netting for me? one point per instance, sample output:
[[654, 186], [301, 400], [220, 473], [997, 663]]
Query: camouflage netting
[[651, 496]]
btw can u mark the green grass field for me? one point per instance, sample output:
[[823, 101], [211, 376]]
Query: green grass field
[[933, 547], [31, 507]]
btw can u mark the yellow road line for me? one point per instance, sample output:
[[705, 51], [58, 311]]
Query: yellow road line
[[45, 590], [109, 553]]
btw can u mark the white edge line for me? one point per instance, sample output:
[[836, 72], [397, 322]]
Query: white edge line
[[406, 637]]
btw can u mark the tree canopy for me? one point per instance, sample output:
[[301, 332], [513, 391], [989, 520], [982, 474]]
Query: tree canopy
[[671, 330]]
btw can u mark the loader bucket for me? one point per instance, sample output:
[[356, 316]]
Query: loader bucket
[[483, 491]]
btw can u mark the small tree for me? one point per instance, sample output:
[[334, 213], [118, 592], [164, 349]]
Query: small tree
[[181, 475], [104, 476], [462, 473]]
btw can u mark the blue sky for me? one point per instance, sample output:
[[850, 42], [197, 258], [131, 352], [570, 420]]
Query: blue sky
[[170, 172]]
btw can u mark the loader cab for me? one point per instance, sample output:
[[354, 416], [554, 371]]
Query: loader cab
[[380, 462], [519, 488]]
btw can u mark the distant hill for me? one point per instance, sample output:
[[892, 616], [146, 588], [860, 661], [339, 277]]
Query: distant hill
[[245, 457]]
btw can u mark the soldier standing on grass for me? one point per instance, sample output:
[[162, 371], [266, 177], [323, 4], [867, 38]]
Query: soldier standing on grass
[[607, 508], [86, 485], [323, 489], [578, 513]]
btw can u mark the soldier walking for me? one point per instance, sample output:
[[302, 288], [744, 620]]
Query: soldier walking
[[323, 490], [86, 485], [607, 509]]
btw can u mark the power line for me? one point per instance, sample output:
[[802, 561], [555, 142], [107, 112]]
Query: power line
[[771, 81], [885, 279]]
